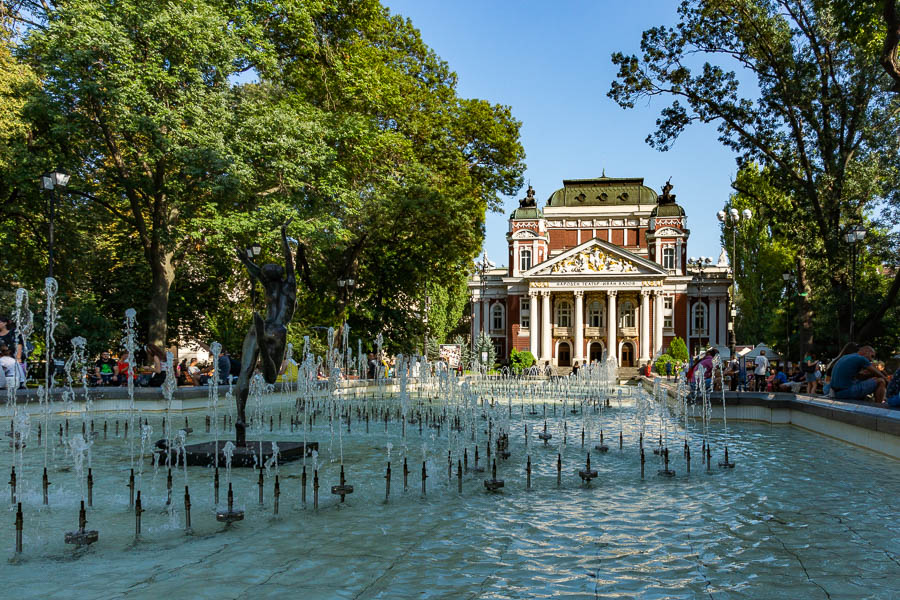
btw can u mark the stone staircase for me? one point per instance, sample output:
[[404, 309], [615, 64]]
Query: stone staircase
[[628, 373]]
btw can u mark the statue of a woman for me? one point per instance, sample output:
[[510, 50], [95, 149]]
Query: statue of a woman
[[266, 340]]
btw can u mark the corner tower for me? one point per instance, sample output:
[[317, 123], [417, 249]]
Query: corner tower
[[527, 236]]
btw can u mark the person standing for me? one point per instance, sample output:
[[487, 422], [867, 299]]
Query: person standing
[[668, 370], [762, 365], [811, 372], [224, 365]]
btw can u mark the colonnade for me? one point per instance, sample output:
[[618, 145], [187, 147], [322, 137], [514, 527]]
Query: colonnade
[[542, 323]]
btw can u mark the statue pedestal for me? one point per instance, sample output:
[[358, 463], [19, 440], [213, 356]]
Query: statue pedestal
[[204, 453]]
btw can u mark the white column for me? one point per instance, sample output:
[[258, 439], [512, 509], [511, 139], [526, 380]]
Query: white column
[[658, 251], [546, 332], [534, 326], [645, 325], [579, 326], [658, 324], [678, 244], [723, 320], [515, 259], [690, 323], [611, 318], [476, 320], [711, 324]]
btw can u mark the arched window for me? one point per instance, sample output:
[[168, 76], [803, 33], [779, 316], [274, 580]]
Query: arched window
[[668, 257], [525, 313], [699, 319], [626, 314], [524, 259], [563, 314], [497, 318], [595, 314]]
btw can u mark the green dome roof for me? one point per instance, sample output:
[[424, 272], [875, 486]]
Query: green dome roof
[[602, 191], [667, 210]]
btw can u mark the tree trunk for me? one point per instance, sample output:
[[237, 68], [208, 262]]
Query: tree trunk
[[163, 275]]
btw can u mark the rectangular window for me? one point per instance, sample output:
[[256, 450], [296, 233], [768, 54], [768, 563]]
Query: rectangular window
[[525, 314], [525, 259], [668, 257], [668, 305]]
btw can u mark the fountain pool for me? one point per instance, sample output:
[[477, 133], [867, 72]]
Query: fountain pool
[[800, 516]]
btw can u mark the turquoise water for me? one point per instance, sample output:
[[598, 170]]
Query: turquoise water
[[800, 516]]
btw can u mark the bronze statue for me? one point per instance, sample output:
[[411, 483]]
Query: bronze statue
[[666, 197], [528, 201], [266, 340]]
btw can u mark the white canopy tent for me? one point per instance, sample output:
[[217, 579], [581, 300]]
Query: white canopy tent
[[770, 354]]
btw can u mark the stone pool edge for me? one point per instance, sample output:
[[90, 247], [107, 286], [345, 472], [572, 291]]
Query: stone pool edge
[[870, 427]]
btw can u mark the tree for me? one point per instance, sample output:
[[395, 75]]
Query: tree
[[354, 129], [821, 120], [678, 350], [483, 352], [762, 251], [139, 95]]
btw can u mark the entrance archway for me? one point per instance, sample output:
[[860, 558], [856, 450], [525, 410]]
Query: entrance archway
[[595, 352], [564, 355], [627, 355]]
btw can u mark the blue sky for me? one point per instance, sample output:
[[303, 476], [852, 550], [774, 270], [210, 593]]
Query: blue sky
[[550, 61]]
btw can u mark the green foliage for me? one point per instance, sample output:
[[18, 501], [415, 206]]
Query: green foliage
[[519, 361], [819, 119], [483, 346], [353, 129], [678, 350], [660, 364]]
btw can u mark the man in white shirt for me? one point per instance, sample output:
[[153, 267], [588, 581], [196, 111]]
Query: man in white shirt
[[762, 365]]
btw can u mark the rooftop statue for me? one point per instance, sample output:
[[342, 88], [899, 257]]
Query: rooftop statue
[[528, 201], [666, 197], [266, 340]]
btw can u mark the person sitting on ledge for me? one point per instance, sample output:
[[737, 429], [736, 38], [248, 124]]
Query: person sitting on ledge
[[854, 377], [892, 391], [779, 381], [8, 367], [106, 370]]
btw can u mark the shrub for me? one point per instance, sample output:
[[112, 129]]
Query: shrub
[[519, 361]]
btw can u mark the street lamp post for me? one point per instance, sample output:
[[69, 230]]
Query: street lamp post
[[346, 289], [852, 237], [732, 218], [49, 183], [788, 277], [700, 263], [482, 266], [427, 308], [253, 251]]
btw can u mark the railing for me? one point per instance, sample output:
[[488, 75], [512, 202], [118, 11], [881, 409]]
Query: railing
[[628, 331], [562, 331], [593, 332]]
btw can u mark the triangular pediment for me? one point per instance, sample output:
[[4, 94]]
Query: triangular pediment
[[596, 257]]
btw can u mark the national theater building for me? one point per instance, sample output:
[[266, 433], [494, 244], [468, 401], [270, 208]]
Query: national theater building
[[602, 267]]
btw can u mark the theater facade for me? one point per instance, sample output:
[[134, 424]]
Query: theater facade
[[602, 268]]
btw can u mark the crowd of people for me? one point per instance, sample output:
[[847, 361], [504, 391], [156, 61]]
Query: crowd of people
[[854, 374]]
